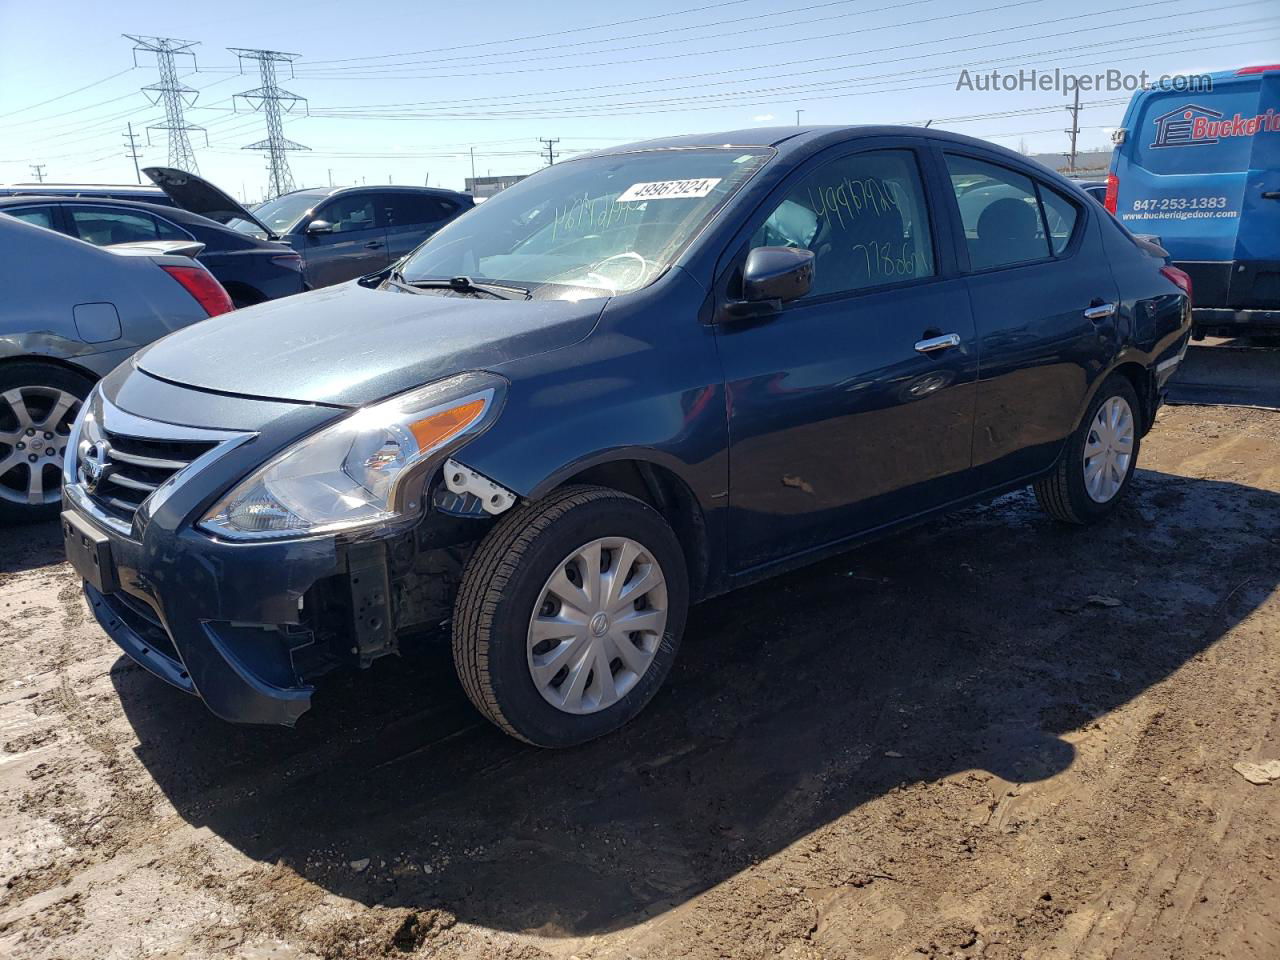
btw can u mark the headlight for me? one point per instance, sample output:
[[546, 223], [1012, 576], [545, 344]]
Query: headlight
[[366, 470]]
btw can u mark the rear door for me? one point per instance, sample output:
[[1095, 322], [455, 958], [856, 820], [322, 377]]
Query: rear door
[[412, 217], [356, 244], [1045, 306]]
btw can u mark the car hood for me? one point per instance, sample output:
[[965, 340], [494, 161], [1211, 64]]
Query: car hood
[[351, 344], [196, 195]]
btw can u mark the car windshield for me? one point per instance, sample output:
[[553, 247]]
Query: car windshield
[[279, 214], [592, 227]]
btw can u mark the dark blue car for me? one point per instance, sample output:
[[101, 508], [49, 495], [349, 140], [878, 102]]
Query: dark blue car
[[635, 380]]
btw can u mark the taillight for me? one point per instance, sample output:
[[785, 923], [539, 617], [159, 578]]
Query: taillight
[[1113, 188], [1245, 71], [1180, 278], [200, 283]]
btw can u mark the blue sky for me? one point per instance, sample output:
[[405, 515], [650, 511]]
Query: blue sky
[[403, 93]]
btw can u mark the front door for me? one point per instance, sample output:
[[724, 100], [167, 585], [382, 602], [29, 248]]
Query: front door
[[355, 244], [852, 407]]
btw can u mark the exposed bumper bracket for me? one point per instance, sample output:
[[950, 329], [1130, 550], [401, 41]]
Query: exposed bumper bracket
[[462, 480]]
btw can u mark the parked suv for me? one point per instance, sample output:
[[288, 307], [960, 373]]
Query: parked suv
[[632, 381], [250, 270], [340, 232]]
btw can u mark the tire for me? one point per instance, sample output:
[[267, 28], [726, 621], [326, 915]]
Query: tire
[[511, 573], [1064, 493], [31, 395]]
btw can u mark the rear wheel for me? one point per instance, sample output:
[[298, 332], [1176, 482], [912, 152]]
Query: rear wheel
[[1094, 472], [38, 403], [569, 615]]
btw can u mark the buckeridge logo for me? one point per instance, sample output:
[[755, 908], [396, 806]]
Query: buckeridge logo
[[1195, 126]]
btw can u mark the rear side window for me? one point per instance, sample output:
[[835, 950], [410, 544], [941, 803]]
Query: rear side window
[[39, 216], [1001, 215], [1062, 215], [103, 227], [167, 231], [409, 209], [863, 216]]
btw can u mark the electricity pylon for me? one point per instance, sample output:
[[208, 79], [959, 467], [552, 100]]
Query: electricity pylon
[[175, 95], [269, 99]]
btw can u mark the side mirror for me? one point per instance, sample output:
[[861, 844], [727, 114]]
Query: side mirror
[[771, 277], [319, 226]]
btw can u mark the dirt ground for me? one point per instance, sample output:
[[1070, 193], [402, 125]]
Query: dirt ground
[[992, 736]]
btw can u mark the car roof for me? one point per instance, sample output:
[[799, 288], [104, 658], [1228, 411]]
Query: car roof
[[379, 188], [796, 143]]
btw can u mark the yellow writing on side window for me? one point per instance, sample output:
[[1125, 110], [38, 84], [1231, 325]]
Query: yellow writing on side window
[[850, 199]]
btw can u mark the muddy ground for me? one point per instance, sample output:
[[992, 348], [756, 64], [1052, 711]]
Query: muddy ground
[[938, 746]]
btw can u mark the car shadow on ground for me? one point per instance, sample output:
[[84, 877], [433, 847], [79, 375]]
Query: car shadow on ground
[[27, 546], [970, 643]]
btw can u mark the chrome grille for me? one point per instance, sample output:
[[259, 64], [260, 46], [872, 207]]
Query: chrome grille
[[136, 467]]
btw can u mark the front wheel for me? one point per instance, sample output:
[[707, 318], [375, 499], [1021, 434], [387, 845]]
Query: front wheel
[[1094, 472], [569, 615]]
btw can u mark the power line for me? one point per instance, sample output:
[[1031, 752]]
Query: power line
[[69, 93], [268, 98], [541, 36], [175, 95]]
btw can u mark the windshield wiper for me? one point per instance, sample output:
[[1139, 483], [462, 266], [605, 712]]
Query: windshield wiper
[[503, 291]]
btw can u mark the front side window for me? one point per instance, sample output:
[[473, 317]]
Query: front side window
[[1000, 213], [864, 218], [353, 212], [103, 227], [592, 227]]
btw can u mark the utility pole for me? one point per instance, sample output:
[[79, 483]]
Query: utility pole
[[331, 177], [131, 142], [175, 94], [37, 171], [1074, 132], [551, 154], [268, 98], [473, 168], [798, 112]]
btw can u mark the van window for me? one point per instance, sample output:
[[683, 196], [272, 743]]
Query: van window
[[863, 216], [1000, 213], [1061, 214]]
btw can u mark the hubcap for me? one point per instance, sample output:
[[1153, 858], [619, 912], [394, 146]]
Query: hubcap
[[1108, 450], [34, 424], [597, 625]]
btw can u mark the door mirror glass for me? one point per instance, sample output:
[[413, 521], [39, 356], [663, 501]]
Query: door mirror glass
[[777, 273], [319, 226]]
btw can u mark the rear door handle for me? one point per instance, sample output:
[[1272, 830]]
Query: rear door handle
[[1271, 195], [373, 245], [944, 342], [1100, 311]]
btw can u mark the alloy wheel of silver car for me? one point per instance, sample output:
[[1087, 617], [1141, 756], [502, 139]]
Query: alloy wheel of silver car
[[34, 425], [1108, 449], [597, 624]]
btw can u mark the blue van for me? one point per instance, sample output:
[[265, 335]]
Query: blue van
[[1201, 170]]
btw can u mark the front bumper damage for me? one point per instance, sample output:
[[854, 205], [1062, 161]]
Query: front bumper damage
[[248, 627]]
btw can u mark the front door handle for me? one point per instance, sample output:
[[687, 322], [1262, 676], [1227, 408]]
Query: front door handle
[[1271, 195], [373, 245], [1100, 311], [944, 342]]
